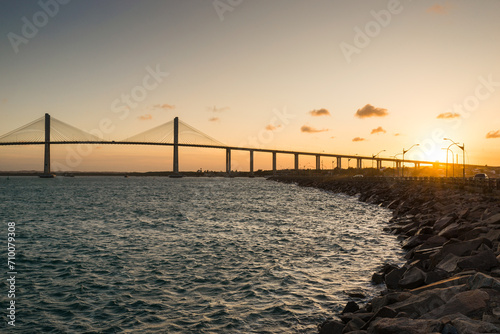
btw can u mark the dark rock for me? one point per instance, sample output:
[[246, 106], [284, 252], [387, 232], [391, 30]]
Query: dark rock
[[435, 276], [388, 299], [404, 325], [449, 329], [355, 293], [354, 325], [350, 307], [385, 312], [443, 222], [449, 263], [495, 219], [482, 261], [377, 278], [393, 277], [480, 281], [331, 327], [412, 278], [467, 303], [464, 324]]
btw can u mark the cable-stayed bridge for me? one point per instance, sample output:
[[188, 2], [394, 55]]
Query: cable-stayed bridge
[[48, 131]]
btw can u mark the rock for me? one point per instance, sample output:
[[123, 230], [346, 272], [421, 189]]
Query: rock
[[388, 299], [449, 263], [377, 278], [435, 276], [443, 222], [481, 281], [495, 219], [355, 293], [354, 325], [393, 277], [385, 312], [461, 248], [449, 329], [404, 325], [482, 261], [465, 324], [467, 303], [331, 327], [350, 307], [412, 278], [426, 301]]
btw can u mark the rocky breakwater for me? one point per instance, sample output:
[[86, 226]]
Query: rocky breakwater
[[451, 280]]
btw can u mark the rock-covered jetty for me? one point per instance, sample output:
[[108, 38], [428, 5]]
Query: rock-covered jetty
[[451, 280]]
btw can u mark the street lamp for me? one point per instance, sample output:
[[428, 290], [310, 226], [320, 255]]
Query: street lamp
[[395, 162], [375, 155], [404, 152], [463, 153], [448, 149]]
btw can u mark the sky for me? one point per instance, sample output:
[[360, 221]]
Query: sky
[[342, 77]]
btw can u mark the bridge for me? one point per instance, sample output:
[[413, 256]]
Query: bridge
[[49, 131]]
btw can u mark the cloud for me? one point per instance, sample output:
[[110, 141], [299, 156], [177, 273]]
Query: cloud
[[309, 129], [397, 134], [448, 115], [164, 106], [371, 111], [145, 117], [271, 127], [320, 112], [214, 119], [215, 109], [493, 134], [378, 130], [439, 9], [358, 139]]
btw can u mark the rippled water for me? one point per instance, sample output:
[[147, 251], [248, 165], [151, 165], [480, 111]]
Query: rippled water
[[191, 255]]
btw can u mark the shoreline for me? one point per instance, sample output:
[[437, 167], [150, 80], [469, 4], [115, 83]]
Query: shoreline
[[450, 282]]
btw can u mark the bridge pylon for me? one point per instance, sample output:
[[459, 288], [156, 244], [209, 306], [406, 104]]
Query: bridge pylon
[[176, 173], [46, 161]]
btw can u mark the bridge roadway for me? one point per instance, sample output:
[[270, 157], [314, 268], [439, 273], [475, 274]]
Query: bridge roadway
[[228, 149]]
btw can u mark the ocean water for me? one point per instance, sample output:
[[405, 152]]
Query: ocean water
[[191, 255]]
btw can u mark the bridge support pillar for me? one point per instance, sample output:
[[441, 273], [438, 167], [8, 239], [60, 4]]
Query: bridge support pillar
[[318, 162], [359, 163], [46, 159], [339, 162], [379, 164], [251, 162], [296, 162], [176, 149], [228, 160], [274, 163]]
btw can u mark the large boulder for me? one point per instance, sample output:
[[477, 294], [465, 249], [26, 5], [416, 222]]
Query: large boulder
[[331, 327], [483, 261], [468, 303], [412, 278], [404, 325]]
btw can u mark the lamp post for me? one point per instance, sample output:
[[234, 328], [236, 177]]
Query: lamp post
[[463, 153], [404, 152], [375, 155], [395, 162], [448, 149]]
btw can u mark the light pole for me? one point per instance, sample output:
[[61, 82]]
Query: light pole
[[448, 149], [404, 152], [395, 162], [375, 155], [463, 153]]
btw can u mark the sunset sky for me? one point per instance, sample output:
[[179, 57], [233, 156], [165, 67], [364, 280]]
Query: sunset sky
[[349, 77]]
